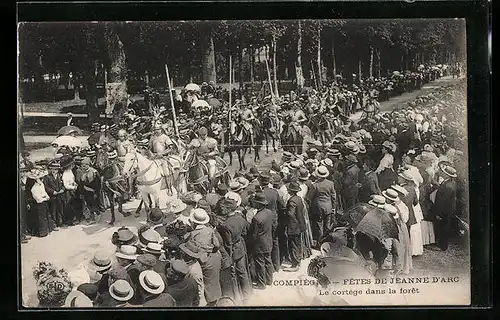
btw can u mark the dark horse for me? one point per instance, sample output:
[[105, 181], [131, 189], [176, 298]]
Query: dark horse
[[231, 144], [114, 185], [292, 138], [270, 130], [197, 173]]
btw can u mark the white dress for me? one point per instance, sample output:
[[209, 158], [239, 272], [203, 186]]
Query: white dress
[[417, 246]]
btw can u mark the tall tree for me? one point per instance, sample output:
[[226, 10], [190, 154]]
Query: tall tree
[[298, 67]]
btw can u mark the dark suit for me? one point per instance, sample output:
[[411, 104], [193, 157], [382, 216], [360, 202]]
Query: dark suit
[[53, 184], [262, 242], [274, 205], [295, 226], [185, 292], [233, 232], [443, 209], [323, 199], [349, 187]]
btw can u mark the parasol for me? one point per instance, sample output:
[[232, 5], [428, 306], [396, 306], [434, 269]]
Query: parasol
[[395, 73], [66, 130], [67, 141]]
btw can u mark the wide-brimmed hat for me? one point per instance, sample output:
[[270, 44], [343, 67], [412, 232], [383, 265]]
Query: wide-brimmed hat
[[326, 162], [54, 164], [190, 248], [265, 177], [112, 155], [177, 206], [377, 200], [447, 169], [304, 174], [294, 164], [151, 282], [154, 248], [293, 186], [351, 158], [121, 290], [275, 166], [234, 196], [389, 145], [127, 252], [234, 186], [321, 172], [350, 145], [149, 235], [199, 216], [254, 172], [77, 299], [287, 156], [100, 262], [399, 189], [244, 182], [124, 236], [332, 152], [391, 194], [406, 175], [66, 160], [260, 198], [362, 149]]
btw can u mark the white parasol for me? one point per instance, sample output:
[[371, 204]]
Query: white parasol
[[67, 141]]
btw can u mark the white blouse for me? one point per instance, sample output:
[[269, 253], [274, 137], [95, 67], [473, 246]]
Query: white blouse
[[39, 193], [68, 179]]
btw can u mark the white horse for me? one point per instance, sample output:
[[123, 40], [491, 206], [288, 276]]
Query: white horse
[[153, 182]]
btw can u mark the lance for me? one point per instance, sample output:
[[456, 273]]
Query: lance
[[274, 103], [174, 118]]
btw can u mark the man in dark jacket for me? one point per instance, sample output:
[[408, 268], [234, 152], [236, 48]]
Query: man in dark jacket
[[261, 238], [295, 225], [323, 199], [445, 204], [55, 190], [182, 287], [350, 182], [272, 197], [233, 231]]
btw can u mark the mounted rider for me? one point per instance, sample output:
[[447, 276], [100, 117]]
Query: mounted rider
[[247, 117], [297, 117], [124, 146], [207, 149]]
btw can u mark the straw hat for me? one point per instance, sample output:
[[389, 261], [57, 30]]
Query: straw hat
[[234, 196], [406, 175], [260, 198], [447, 169], [326, 162], [127, 252], [377, 201], [100, 262], [399, 189], [148, 236], [391, 194], [177, 206], [244, 182], [154, 248], [199, 216], [77, 299], [121, 290], [321, 172], [304, 174]]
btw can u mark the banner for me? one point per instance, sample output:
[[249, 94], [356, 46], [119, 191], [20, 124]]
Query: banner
[[116, 94]]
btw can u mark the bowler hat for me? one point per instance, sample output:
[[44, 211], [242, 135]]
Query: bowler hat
[[303, 174], [156, 216], [260, 198], [124, 237], [377, 200], [66, 160], [148, 236], [294, 186], [101, 261], [154, 248]]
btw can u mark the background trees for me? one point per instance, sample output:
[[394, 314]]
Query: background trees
[[74, 56]]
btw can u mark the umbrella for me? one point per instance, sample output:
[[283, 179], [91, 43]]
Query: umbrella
[[66, 130], [68, 141], [395, 73]]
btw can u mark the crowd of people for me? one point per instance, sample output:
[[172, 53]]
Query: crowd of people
[[215, 249]]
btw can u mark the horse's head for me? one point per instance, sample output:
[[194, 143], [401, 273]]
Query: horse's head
[[130, 162]]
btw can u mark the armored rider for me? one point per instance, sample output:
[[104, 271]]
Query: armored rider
[[207, 149], [124, 146], [247, 117]]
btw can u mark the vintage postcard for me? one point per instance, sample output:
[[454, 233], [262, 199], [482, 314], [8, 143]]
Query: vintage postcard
[[243, 163]]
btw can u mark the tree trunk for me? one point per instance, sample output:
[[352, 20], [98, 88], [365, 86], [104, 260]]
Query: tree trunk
[[240, 68], [371, 63], [407, 58], [299, 71], [251, 56], [334, 58], [359, 71], [208, 62], [89, 65], [117, 74], [275, 67], [259, 64], [379, 69], [318, 58]]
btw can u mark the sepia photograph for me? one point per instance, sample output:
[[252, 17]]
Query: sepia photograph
[[243, 163]]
